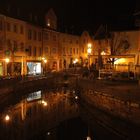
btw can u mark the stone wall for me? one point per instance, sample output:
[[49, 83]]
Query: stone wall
[[127, 110]]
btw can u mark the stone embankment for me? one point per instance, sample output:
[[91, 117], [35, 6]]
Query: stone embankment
[[119, 99]]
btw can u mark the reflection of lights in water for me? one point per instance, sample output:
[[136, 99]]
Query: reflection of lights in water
[[76, 97], [44, 103], [7, 118], [88, 138], [48, 133]]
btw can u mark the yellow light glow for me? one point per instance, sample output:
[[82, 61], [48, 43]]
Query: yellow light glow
[[44, 103], [120, 61], [76, 97], [75, 61], [89, 45], [48, 24], [103, 53], [45, 61], [7, 60], [7, 118], [43, 58], [89, 49], [88, 138]]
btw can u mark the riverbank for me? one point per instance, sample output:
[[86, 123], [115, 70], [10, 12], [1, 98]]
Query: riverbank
[[119, 99]]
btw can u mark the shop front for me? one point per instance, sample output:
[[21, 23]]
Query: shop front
[[34, 68]]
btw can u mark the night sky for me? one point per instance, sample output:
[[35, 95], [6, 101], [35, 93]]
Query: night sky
[[77, 15]]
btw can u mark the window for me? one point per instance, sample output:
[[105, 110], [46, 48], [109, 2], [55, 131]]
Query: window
[[8, 27], [34, 35], [54, 37], [46, 36], [77, 50], [21, 29], [9, 45], [22, 47], [64, 50], [15, 28], [1, 26], [34, 51], [40, 51], [73, 50], [48, 23], [82, 50], [70, 50], [84, 41], [29, 50], [54, 50], [29, 34], [46, 50], [39, 36], [15, 46]]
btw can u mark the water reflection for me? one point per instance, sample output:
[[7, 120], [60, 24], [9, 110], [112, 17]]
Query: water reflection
[[36, 113], [59, 115]]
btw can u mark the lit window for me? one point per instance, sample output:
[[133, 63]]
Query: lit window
[[48, 23]]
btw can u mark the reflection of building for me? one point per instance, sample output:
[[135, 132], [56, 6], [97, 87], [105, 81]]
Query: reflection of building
[[32, 116]]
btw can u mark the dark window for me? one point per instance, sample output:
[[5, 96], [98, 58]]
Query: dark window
[[21, 29], [8, 27], [54, 50], [54, 37], [29, 34], [34, 35], [47, 50], [15, 28], [1, 25], [22, 47], [34, 51], [40, 51], [46, 36], [39, 36]]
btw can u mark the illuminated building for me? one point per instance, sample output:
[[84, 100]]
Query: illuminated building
[[25, 44]]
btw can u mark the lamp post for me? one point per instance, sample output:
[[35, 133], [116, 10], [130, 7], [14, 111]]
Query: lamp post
[[44, 68], [89, 50], [7, 60], [75, 62]]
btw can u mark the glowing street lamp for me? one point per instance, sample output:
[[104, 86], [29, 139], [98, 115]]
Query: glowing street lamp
[[89, 50], [7, 60], [44, 65], [7, 118]]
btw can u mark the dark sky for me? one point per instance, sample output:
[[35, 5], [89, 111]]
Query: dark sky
[[78, 15]]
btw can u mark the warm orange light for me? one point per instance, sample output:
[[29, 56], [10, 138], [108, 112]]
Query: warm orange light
[[103, 53], [44, 103], [45, 61], [89, 49], [7, 118], [7, 60]]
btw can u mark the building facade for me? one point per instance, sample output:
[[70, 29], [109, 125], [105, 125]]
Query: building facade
[[26, 48]]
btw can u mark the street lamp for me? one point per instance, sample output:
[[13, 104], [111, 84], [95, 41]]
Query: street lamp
[[44, 61], [89, 50], [7, 60], [75, 62]]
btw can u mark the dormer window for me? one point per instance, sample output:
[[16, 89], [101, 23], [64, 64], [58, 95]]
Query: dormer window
[[48, 23]]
